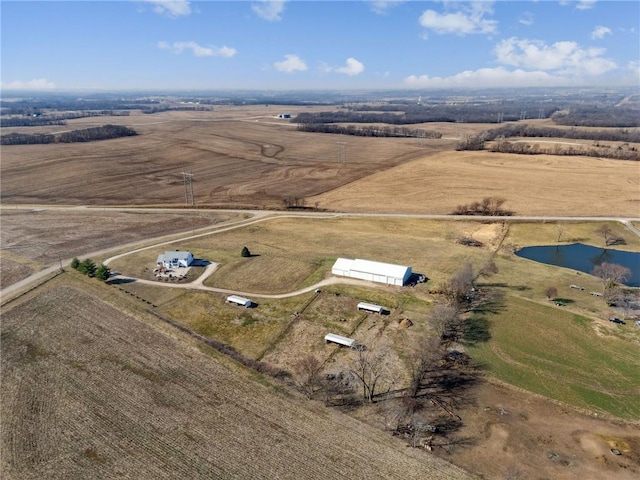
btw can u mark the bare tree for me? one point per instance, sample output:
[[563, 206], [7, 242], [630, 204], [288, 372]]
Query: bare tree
[[371, 368], [611, 274], [560, 227], [606, 233], [422, 359], [489, 269], [551, 292], [309, 375], [446, 321], [458, 289]]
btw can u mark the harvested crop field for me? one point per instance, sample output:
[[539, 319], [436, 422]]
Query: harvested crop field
[[531, 185], [234, 160], [126, 397], [35, 238], [246, 157]]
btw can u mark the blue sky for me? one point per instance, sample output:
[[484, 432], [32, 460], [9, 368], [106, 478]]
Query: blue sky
[[300, 44]]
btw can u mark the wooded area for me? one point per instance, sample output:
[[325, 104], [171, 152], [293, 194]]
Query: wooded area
[[104, 132]]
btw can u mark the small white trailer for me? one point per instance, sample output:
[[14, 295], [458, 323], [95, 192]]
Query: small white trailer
[[340, 340], [244, 302], [370, 307]]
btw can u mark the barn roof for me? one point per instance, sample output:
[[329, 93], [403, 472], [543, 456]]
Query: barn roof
[[369, 266]]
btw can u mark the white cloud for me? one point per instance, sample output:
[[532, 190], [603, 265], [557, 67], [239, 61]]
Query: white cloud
[[35, 84], [489, 78], [526, 18], [585, 4], [171, 8], [290, 64], [465, 19], [198, 50], [599, 32], [579, 5], [352, 67], [383, 7], [560, 57], [270, 10]]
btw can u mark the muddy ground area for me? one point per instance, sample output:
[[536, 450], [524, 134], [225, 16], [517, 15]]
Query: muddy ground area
[[514, 435]]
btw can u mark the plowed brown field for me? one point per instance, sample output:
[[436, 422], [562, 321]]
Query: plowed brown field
[[244, 156], [89, 391], [235, 161]]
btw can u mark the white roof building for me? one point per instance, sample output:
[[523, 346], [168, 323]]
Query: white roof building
[[387, 273], [339, 339], [174, 259]]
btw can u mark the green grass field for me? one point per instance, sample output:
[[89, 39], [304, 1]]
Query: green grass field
[[564, 356]]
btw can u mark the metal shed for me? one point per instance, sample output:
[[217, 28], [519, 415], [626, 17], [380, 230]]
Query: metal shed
[[380, 272], [244, 302], [370, 307], [340, 340]]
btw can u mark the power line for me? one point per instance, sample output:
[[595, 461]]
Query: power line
[[187, 178], [342, 152]]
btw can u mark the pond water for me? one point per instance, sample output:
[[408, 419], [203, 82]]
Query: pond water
[[584, 258]]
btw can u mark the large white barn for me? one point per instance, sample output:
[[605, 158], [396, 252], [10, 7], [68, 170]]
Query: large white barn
[[380, 272]]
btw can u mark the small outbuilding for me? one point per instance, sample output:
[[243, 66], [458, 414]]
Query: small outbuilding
[[175, 259], [387, 273], [243, 302], [340, 340], [370, 307]]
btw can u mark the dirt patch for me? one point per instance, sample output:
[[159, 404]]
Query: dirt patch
[[542, 439]]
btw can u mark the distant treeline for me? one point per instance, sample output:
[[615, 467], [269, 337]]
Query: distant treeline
[[37, 120], [403, 114], [104, 132], [600, 151], [194, 108], [526, 130], [406, 118], [592, 116], [502, 145], [370, 131]]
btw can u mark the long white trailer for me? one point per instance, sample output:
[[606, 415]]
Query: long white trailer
[[244, 302], [340, 340], [370, 307]]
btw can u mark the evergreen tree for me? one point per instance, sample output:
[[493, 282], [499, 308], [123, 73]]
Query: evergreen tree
[[75, 263], [88, 267], [103, 272], [245, 252]]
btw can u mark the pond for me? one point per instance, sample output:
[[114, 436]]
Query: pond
[[584, 258]]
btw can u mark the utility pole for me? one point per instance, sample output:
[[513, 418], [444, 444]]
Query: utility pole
[[187, 178], [342, 152]]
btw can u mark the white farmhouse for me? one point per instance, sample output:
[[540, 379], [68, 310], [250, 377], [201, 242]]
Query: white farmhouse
[[175, 259], [380, 272]]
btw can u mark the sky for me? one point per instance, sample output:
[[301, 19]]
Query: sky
[[299, 44]]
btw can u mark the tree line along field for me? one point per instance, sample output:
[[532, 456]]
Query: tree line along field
[[244, 156], [95, 388]]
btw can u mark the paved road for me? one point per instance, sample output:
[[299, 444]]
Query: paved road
[[256, 216]]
